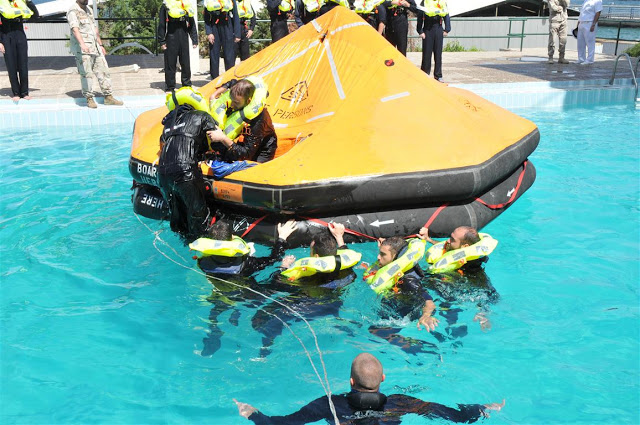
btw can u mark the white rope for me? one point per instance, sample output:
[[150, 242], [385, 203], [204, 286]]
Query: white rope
[[327, 388]]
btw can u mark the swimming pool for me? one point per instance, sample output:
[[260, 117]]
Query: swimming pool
[[98, 326]]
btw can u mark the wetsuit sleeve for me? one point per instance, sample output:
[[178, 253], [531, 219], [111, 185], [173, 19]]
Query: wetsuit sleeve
[[447, 23], [162, 25], [193, 33], [465, 413], [236, 21], [312, 412], [297, 13], [382, 14], [412, 283], [34, 9], [255, 264], [229, 84], [260, 145]]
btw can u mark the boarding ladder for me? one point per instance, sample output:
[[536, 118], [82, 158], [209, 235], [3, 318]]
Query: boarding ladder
[[634, 72]]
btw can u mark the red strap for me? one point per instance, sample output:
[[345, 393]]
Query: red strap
[[431, 219], [254, 224], [513, 195], [351, 232]]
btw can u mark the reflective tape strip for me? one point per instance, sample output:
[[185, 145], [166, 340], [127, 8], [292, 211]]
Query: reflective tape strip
[[287, 62], [317, 117], [395, 96], [346, 27], [334, 70], [316, 25], [278, 125]]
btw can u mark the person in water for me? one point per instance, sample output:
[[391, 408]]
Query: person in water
[[407, 299], [315, 296], [231, 275], [366, 401], [461, 237], [259, 140]]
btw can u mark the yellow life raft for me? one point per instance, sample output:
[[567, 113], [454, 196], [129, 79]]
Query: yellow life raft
[[233, 124], [187, 95], [236, 247], [309, 266], [383, 279], [442, 261]]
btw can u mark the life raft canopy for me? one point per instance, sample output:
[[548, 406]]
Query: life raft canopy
[[309, 266], [442, 261], [381, 279]]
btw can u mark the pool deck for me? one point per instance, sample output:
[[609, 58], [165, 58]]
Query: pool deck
[[140, 75]]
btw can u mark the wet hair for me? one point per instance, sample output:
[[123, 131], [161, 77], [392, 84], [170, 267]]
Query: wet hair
[[324, 244], [366, 372], [243, 88], [220, 231], [395, 244], [470, 236]]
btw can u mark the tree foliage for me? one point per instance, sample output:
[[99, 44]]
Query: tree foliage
[[143, 24]]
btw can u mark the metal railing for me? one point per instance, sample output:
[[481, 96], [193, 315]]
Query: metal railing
[[633, 73]]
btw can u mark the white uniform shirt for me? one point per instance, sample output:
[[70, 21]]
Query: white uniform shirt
[[589, 10]]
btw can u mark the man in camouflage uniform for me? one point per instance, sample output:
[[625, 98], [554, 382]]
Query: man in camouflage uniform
[[86, 46], [558, 28]]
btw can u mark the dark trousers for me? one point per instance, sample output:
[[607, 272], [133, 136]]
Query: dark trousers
[[432, 45], [242, 47], [178, 46], [223, 39], [185, 193], [279, 29], [397, 30], [17, 61]]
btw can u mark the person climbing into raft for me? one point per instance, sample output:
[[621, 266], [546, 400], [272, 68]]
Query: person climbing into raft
[[246, 131]]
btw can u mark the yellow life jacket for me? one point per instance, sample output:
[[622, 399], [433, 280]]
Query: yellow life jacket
[[236, 247], [218, 5], [187, 96], [233, 124], [178, 9], [365, 7], [447, 261], [12, 9], [344, 3], [245, 11], [309, 266], [383, 279], [312, 5], [287, 5], [436, 8]]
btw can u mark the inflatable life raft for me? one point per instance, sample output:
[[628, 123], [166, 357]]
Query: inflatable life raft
[[365, 138]]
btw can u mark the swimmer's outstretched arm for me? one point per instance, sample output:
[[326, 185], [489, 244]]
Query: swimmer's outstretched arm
[[424, 235], [427, 320]]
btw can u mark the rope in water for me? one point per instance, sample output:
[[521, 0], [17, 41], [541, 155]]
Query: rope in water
[[323, 383]]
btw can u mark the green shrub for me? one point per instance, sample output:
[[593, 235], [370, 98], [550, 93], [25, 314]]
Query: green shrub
[[455, 46], [634, 51]]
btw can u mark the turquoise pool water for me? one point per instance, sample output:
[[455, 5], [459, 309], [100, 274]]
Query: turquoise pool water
[[98, 326]]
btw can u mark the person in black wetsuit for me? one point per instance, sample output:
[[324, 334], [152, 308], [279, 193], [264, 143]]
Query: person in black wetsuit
[[259, 141], [312, 297], [183, 144], [408, 299], [239, 270], [365, 404]]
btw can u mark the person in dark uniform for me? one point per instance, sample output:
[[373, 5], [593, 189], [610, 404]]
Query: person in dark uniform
[[259, 136], [175, 26], [183, 145], [306, 11], [397, 27], [278, 13], [222, 25], [366, 404], [429, 27], [330, 4], [14, 47], [247, 26], [313, 296], [376, 16], [238, 270], [407, 299]]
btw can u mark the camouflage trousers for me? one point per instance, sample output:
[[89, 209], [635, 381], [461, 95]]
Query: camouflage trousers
[[557, 28], [91, 67]]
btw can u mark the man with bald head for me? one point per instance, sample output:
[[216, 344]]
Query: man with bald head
[[365, 400]]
